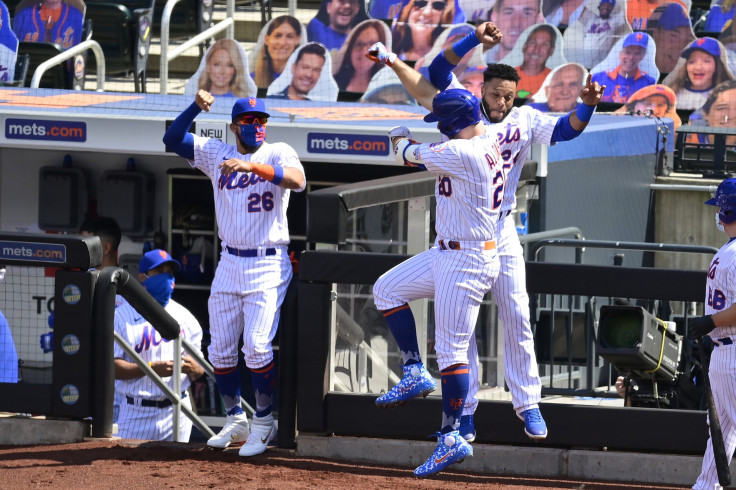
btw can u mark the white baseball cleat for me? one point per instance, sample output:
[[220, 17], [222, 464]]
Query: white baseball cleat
[[262, 431], [235, 431]]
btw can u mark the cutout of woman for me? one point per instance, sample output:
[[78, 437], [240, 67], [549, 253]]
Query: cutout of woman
[[560, 91], [276, 42], [589, 39], [223, 71], [702, 66], [418, 25], [8, 47], [352, 70], [304, 78], [50, 21]]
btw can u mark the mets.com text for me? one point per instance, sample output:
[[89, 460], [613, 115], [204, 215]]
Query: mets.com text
[[34, 129], [348, 144], [32, 251]]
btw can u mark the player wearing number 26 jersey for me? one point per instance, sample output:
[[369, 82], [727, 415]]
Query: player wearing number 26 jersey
[[251, 183]]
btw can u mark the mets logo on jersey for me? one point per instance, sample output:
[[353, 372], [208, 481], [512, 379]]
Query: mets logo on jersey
[[438, 147]]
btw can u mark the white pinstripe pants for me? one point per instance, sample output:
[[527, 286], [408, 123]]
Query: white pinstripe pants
[[457, 279], [246, 298], [509, 291], [723, 385]]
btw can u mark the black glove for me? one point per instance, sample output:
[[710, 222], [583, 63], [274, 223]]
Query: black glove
[[700, 326]]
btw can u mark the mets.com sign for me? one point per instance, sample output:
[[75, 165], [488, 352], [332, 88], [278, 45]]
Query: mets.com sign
[[347, 144], [36, 129]]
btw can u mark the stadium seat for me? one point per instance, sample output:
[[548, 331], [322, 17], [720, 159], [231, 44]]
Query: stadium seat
[[189, 18], [58, 76], [21, 70], [124, 34]]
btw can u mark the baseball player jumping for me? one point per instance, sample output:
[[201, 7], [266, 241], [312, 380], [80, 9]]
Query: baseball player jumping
[[145, 411], [719, 323], [519, 128], [458, 271], [251, 183]]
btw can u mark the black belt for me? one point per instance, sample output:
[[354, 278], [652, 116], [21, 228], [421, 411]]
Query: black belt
[[250, 252], [153, 403], [723, 341]]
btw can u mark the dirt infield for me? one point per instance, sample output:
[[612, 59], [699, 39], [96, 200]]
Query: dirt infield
[[134, 464]]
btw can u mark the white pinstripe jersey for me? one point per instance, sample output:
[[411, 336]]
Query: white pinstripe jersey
[[523, 127], [148, 344], [720, 291], [250, 210], [468, 196], [520, 129]]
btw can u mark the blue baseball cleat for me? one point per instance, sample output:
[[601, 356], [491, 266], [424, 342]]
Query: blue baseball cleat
[[451, 448], [534, 425], [416, 382], [467, 428]]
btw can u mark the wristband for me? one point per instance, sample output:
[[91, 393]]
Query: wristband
[[463, 46], [584, 112], [274, 174]]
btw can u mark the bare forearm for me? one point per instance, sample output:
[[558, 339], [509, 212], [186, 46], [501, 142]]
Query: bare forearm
[[419, 87]]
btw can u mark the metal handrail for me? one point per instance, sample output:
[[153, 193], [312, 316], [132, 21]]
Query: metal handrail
[[642, 246], [69, 53], [175, 396], [225, 25]]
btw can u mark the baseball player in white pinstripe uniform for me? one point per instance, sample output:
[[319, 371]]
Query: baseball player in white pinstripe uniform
[[145, 411], [251, 183], [458, 271], [719, 323], [519, 128]]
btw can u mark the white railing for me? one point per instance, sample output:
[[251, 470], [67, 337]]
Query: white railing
[[69, 53], [225, 25]]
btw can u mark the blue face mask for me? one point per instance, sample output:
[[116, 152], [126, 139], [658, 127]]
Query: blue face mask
[[160, 287], [252, 134]]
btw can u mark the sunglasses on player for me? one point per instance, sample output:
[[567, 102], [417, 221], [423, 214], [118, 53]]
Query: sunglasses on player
[[436, 5], [250, 119]]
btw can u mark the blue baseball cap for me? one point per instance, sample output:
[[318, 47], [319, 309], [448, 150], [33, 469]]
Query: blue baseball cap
[[612, 2], [636, 39], [707, 44], [154, 258], [248, 105], [673, 16]]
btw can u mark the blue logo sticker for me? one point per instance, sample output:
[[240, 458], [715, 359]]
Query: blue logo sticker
[[36, 252], [36, 129], [70, 344], [347, 144], [70, 394], [71, 294]]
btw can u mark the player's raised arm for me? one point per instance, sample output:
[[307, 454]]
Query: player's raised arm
[[591, 95], [178, 137], [572, 125], [419, 87]]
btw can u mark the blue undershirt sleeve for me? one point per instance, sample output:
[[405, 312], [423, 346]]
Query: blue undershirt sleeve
[[563, 130], [440, 72], [177, 137]]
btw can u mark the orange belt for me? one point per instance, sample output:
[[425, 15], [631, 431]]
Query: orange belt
[[467, 245]]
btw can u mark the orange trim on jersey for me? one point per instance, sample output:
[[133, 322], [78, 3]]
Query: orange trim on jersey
[[394, 310], [459, 370], [226, 370], [263, 369]]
